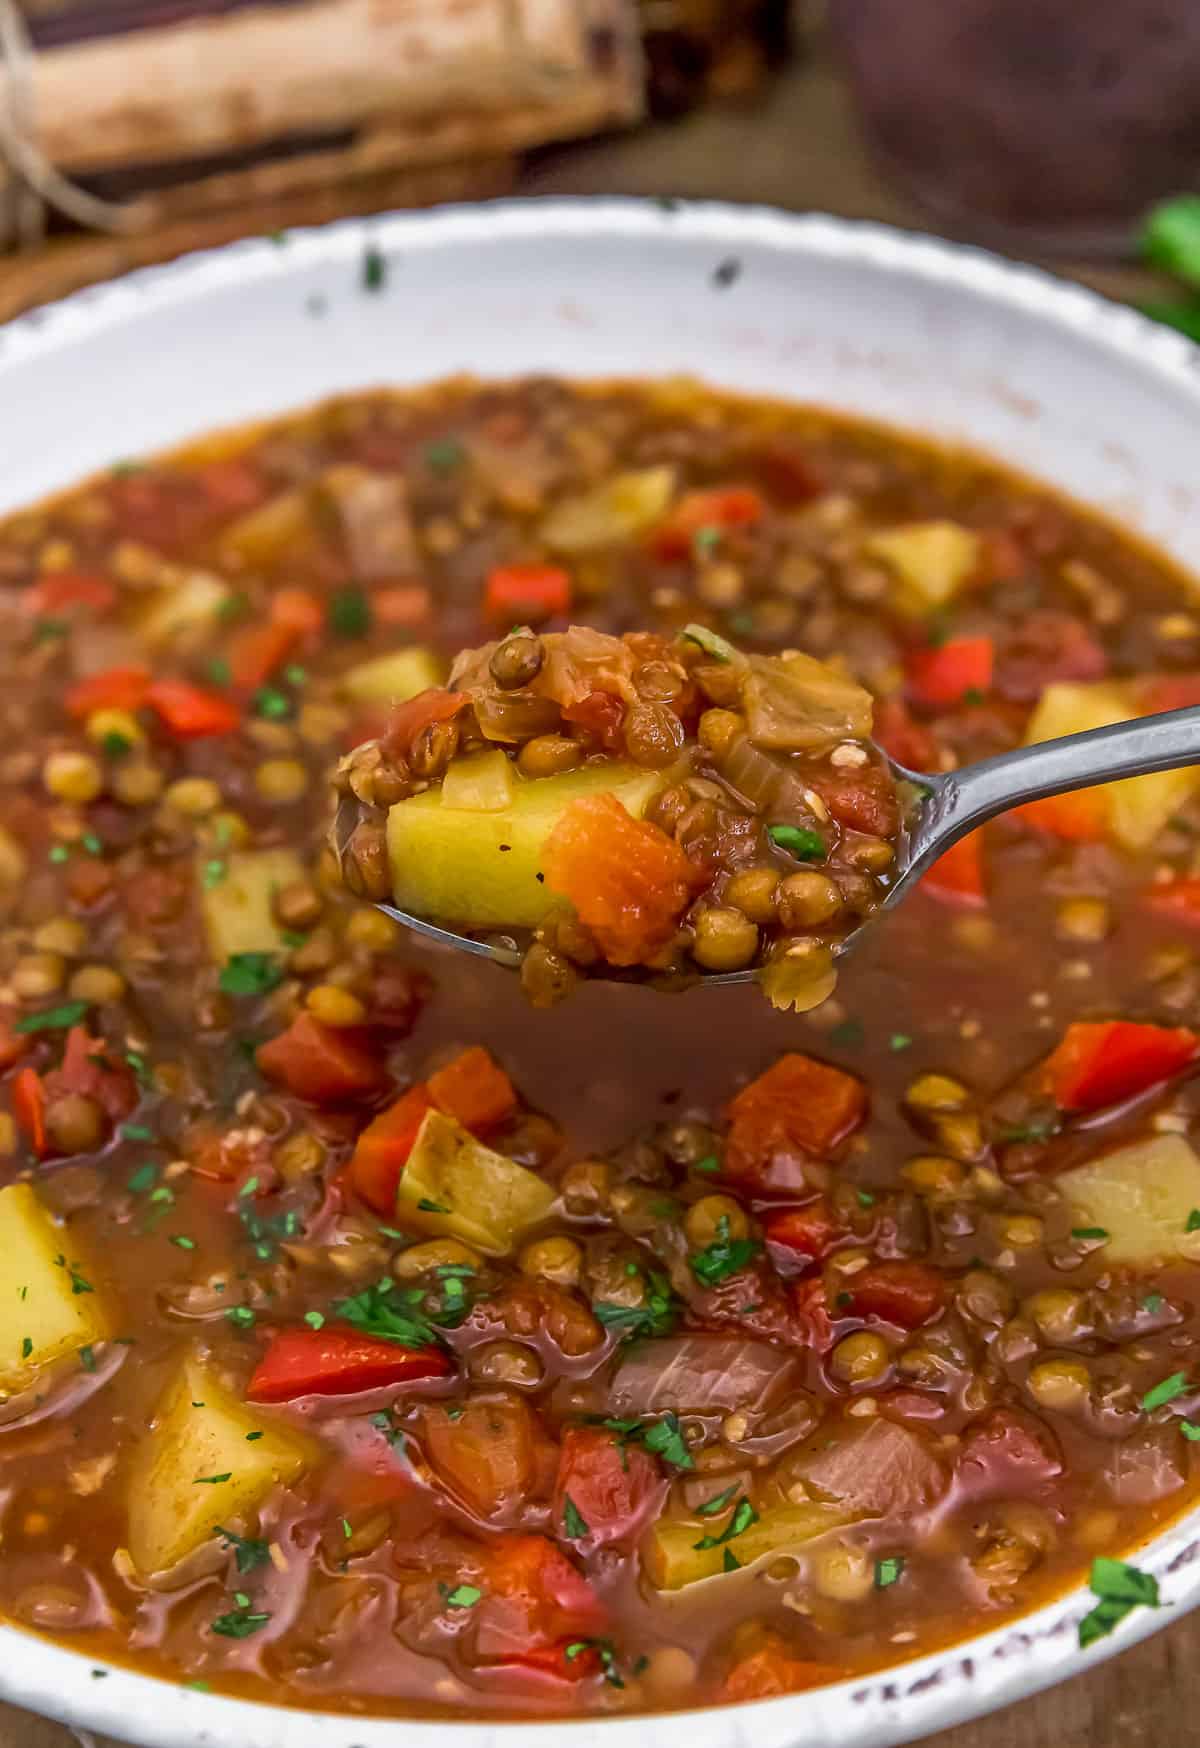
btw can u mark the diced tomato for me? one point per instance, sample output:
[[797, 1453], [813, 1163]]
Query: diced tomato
[[1079, 817], [1047, 645], [774, 1669], [13, 1044], [57, 590], [865, 800], [785, 468], [804, 1234], [1106, 1061], [629, 882], [232, 485], [406, 721], [812, 1308], [901, 738], [224, 1156], [1170, 692], [534, 1599], [1177, 901], [944, 675], [114, 689], [258, 651], [720, 507], [86, 1070], [797, 1105], [1008, 1453], [474, 1089], [487, 1457], [527, 591], [907, 1293], [957, 877], [299, 610], [191, 712], [29, 1108], [601, 715], [382, 1150], [338, 1362], [613, 1486], [329, 1065]]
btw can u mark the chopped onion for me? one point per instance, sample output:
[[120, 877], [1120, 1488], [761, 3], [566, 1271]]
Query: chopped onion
[[797, 704]]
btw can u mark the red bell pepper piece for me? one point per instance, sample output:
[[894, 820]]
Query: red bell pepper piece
[[1176, 901], [58, 590], [957, 877], [1079, 817], [1104, 1062], [907, 1293], [475, 1090], [258, 651], [720, 507], [804, 1234], [527, 591], [190, 712], [797, 1105], [326, 1064], [946, 674], [411, 718], [613, 1486], [29, 1108], [114, 689], [382, 1150], [338, 1362]]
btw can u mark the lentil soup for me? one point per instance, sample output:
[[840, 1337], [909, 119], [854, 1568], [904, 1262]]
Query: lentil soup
[[373, 1341]]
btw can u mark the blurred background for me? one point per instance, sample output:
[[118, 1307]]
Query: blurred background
[[133, 130]]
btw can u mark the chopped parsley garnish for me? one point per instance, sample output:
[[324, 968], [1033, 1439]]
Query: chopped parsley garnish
[[1193, 1219], [1175, 1385], [664, 1437], [143, 1179], [1121, 1588], [388, 1313], [241, 1316], [444, 454], [26, 1348], [211, 1480], [716, 1505], [265, 1231], [1153, 1302], [1190, 1430], [1036, 1131], [314, 1319], [428, 1207], [710, 1162], [219, 671], [848, 1033], [725, 1256], [250, 974], [249, 1552], [114, 745], [462, 1596], [574, 1523], [654, 1316], [374, 268], [78, 1282], [866, 1198], [1090, 1233], [136, 1132], [604, 1650], [888, 1571], [52, 1019], [899, 1041], [271, 703], [799, 841], [382, 1422], [183, 1241], [239, 1623], [743, 1516], [350, 612]]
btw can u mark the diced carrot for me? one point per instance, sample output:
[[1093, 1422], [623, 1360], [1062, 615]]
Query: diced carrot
[[774, 1669], [57, 590], [405, 604], [720, 507], [475, 1089], [486, 1456], [957, 877], [29, 1108], [902, 739], [258, 651], [611, 1485], [85, 1070], [946, 674], [300, 610], [906, 1293], [1080, 816], [629, 882], [114, 689], [1177, 901], [338, 1362], [527, 591], [797, 1105], [1104, 1062], [381, 1151], [326, 1064], [407, 720], [805, 1234], [190, 712], [13, 1044]]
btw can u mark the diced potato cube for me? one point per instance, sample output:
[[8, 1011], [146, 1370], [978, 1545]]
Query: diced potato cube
[[50, 1305], [459, 865], [263, 535], [1139, 807], [672, 1559], [239, 909], [189, 604], [1141, 1196], [453, 1185], [931, 561], [611, 512], [199, 1469], [482, 783], [392, 678]]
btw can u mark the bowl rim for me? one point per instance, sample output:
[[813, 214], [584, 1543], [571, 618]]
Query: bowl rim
[[909, 1699]]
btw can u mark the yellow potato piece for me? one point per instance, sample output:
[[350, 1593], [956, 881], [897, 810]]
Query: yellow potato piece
[[482, 783], [672, 1559], [50, 1303], [1142, 1197], [453, 1185], [239, 909], [614, 511], [392, 678], [930, 560], [188, 605], [198, 1470], [460, 865]]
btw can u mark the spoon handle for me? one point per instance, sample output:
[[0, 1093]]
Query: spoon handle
[[962, 800]]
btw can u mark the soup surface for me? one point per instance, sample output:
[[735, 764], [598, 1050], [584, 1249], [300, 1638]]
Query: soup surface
[[372, 1340]]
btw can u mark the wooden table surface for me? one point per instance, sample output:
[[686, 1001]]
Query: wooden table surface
[[798, 148]]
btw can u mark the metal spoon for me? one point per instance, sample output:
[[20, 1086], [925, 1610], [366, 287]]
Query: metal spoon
[[950, 804]]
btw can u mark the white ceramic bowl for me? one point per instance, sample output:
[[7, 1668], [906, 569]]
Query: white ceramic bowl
[[944, 340]]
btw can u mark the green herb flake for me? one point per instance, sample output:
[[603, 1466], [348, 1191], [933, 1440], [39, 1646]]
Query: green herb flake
[[444, 455], [1193, 1219], [219, 671], [899, 1041], [730, 1561], [142, 1179], [1090, 1234], [865, 1198], [241, 1316], [136, 1132], [295, 675], [250, 974], [52, 1019], [1121, 1588], [182, 1240], [462, 1595], [46, 630], [665, 1438], [1170, 238], [799, 841], [384, 1311], [114, 745], [87, 1358], [655, 1316], [250, 1553], [1153, 1302], [211, 1480], [888, 1571], [1161, 1394], [59, 853], [709, 1163], [574, 1523], [714, 1506], [239, 1623], [374, 268], [26, 1348], [848, 1034], [744, 1515], [428, 1207], [1190, 1430], [725, 1256], [314, 1319], [349, 612], [272, 704]]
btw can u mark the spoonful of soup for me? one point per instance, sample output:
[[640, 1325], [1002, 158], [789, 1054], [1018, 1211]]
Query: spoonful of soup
[[575, 804]]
